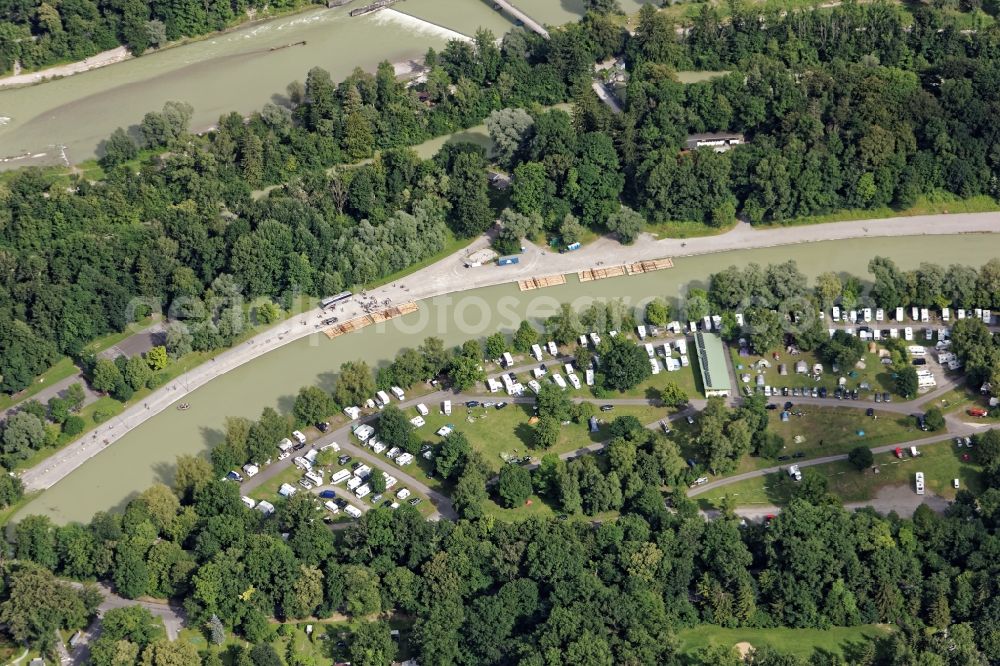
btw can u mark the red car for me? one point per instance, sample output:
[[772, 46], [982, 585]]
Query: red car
[[978, 411]]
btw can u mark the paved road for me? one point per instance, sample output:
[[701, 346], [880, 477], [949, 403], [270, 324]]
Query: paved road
[[173, 617], [956, 427], [56, 389], [449, 276]]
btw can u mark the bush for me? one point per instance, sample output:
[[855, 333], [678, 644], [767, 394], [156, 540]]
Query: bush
[[514, 485], [100, 416], [861, 457], [157, 380], [934, 419], [73, 426], [122, 391]]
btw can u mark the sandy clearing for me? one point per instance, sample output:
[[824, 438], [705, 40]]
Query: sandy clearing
[[102, 59]]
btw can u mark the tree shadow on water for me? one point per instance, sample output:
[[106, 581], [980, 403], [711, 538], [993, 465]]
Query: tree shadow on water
[[212, 437]]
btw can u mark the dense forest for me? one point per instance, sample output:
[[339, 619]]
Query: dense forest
[[536, 591], [836, 114], [187, 231]]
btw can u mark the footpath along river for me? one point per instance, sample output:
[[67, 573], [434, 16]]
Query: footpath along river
[[147, 454]]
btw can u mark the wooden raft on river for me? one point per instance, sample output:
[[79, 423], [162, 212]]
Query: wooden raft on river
[[367, 320], [541, 282], [592, 274], [637, 268], [649, 266]]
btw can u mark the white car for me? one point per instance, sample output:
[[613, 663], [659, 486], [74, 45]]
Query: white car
[[284, 455], [299, 436], [955, 483], [402, 494]]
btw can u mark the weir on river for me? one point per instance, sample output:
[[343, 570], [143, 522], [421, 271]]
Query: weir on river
[[239, 71]]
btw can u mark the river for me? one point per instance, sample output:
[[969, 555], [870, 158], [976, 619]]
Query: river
[[63, 121], [147, 454]]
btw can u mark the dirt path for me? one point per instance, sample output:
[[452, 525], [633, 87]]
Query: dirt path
[[901, 499]]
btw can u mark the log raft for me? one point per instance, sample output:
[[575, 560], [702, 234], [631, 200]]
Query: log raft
[[376, 317]]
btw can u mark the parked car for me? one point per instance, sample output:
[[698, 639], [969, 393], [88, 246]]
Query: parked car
[[690, 420], [327, 494], [607, 408], [323, 426], [472, 403]]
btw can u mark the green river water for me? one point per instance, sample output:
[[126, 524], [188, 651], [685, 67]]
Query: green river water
[[147, 454], [66, 119]]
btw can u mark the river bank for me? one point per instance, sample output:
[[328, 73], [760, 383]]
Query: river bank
[[242, 381], [102, 59], [121, 53], [63, 121]]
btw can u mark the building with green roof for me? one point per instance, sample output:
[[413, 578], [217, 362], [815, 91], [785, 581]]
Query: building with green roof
[[712, 362]]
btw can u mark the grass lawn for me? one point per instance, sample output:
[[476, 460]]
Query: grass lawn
[[940, 463], [505, 433], [876, 375], [685, 229], [293, 639], [62, 369], [687, 379], [824, 431], [799, 642], [958, 399]]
